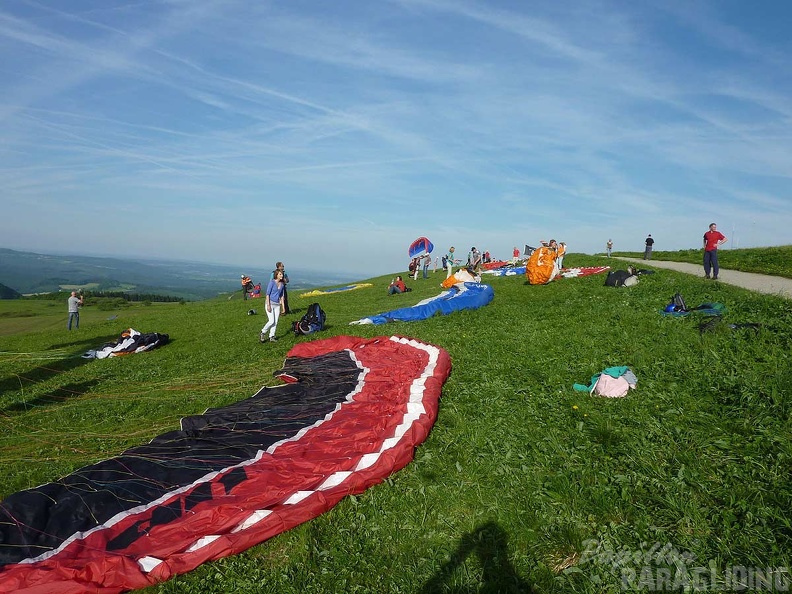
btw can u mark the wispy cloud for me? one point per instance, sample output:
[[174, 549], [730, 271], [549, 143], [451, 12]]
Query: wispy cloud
[[347, 129]]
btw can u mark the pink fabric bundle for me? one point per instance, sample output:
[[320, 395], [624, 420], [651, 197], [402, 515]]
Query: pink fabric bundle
[[611, 387]]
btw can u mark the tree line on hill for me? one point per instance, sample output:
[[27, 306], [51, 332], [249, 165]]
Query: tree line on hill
[[90, 296]]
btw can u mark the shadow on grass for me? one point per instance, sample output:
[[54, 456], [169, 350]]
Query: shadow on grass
[[80, 346], [490, 544], [42, 373], [57, 396]]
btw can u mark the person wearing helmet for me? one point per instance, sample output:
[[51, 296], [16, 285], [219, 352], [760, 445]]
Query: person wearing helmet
[[247, 286]]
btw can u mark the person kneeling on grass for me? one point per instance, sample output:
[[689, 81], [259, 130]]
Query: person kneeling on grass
[[397, 286]]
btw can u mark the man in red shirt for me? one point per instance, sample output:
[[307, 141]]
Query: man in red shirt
[[515, 255], [712, 240], [397, 286]]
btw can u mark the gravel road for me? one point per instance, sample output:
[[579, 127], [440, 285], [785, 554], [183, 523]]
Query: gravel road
[[761, 283]]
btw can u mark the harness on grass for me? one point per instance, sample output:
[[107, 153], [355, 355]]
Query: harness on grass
[[677, 307], [312, 321]]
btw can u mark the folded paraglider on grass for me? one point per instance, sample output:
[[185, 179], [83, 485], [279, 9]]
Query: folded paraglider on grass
[[131, 341], [461, 296]]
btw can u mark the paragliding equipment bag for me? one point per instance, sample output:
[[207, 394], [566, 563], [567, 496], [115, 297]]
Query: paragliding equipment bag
[[677, 304], [620, 278], [312, 321]]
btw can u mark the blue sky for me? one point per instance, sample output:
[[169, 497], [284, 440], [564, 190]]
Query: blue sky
[[332, 134]]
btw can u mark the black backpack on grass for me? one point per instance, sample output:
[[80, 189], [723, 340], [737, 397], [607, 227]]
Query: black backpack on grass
[[621, 278], [679, 303], [312, 321]]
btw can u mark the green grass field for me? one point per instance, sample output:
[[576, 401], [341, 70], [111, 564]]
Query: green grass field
[[521, 477], [775, 261]]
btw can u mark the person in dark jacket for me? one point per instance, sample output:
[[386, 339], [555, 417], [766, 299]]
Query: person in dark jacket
[[648, 250]]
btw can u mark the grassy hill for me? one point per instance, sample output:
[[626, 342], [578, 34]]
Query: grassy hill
[[775, 261], [523, 481], [8, 293]]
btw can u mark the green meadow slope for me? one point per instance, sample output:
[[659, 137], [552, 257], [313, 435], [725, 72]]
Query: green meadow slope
[[522, 483], [775, 261]]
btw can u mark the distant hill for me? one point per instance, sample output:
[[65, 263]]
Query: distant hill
[[8, 293], [31, 272]]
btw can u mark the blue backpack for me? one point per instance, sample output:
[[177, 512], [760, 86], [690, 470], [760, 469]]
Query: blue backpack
[[312, 321]]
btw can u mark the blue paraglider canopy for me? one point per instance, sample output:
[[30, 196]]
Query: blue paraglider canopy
[[419, 246]]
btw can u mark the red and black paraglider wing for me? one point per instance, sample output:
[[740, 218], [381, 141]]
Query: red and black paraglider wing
[[351, 412]]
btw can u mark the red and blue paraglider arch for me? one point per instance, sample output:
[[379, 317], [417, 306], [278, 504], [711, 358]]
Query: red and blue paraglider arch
[[420, 246]]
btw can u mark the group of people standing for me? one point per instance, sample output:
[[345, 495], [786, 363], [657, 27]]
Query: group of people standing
[[713, 239], [474, 260], [277, 299], [420, 263]]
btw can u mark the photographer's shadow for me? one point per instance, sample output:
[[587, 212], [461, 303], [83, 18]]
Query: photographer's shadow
[[490, 544]]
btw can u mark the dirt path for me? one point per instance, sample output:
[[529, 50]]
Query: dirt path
[[761, 283]]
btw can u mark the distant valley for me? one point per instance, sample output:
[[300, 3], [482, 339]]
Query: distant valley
[[28, 272]]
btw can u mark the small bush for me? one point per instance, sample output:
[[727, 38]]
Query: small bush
[[109, 304]]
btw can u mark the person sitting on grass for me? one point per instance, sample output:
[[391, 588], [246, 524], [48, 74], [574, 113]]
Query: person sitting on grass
[[397, 286]]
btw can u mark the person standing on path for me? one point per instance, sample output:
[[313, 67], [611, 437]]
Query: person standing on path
[[274, 299], [609, 247], [75, 303], [713, 239], [648, 251]]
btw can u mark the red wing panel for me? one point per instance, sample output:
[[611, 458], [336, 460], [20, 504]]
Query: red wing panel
[[232, 477], [583, 271]]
